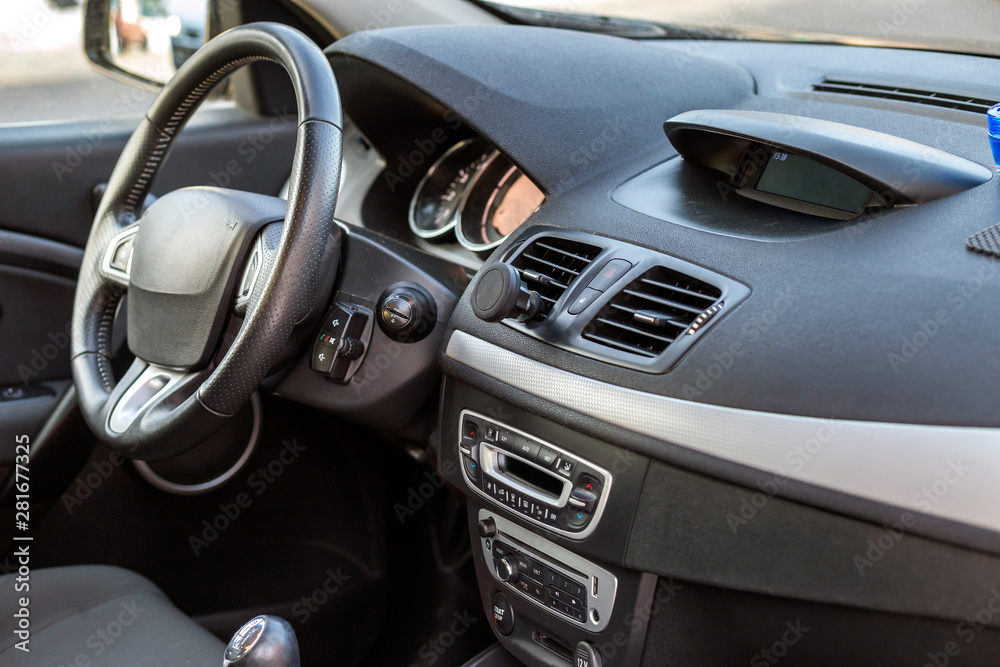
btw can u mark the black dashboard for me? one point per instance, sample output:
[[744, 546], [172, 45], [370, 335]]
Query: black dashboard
[[747, 395]]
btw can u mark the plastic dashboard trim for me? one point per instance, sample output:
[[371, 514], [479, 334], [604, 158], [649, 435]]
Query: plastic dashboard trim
[[890, 463]]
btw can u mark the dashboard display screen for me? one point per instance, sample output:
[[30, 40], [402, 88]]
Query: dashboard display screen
[[802, 178]]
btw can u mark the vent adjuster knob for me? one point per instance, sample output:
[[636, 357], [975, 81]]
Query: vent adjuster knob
[[500, 293]]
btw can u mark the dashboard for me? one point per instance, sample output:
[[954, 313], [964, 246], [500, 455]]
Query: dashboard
[[752, 380]]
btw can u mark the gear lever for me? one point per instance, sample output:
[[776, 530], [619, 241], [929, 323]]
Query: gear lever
[[265, 641]]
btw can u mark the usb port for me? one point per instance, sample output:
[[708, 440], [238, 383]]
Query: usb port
[[593, 587]]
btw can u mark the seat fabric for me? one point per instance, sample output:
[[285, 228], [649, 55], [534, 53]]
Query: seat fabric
[[97, 615]]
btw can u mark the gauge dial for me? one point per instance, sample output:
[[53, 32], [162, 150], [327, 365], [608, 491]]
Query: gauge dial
[[499, 200], [439, 194]]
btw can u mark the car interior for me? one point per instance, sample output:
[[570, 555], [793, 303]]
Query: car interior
[[462, 333]]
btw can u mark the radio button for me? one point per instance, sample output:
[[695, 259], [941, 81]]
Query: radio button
[[500, 549]]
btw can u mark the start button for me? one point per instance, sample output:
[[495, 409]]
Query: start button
[[503, 615]]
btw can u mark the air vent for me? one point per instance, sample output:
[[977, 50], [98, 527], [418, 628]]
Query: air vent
[[930, 98], [550, 264], [652, 312]]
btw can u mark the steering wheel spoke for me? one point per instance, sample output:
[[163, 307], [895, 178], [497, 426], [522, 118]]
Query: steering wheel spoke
[[116, 265], [144, 387]]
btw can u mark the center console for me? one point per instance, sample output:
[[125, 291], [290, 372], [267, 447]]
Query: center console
[[550, 511]]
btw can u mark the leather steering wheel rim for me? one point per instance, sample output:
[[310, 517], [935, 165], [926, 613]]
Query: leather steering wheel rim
[[305, 257]]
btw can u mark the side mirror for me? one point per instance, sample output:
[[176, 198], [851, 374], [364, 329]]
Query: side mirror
[[144, 42]]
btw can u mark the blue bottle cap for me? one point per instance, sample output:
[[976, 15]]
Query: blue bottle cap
[[993, 120]]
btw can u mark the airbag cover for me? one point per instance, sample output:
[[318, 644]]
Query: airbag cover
[[189, 252]]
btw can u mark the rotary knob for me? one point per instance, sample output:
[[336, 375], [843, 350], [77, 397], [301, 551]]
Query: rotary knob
[[406, 312], [507, 569]]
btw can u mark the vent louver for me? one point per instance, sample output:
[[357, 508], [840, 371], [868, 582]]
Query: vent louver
[[900, 94], [652, 312], [550, 264]]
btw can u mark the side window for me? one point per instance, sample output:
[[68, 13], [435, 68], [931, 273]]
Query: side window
[[44, 74]]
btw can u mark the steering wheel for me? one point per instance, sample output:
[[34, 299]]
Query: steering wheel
[[200, 258]]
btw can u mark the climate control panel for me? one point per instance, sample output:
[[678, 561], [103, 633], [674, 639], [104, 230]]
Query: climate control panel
[[544, 483]]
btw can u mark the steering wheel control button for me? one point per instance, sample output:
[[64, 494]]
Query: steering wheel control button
[[323, 356], [587, 655], [503, 614], [587, 297], [341, 342], [406, 312], [611, 272]]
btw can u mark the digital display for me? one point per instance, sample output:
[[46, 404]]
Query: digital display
[[801, 178]]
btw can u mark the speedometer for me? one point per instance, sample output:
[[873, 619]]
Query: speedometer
[[434, 208], [499, 200]]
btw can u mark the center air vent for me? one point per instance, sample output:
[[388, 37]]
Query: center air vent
[[652, 312], [550, 264], [900, 94]]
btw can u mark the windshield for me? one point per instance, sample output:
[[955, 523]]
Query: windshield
[[965, 26]]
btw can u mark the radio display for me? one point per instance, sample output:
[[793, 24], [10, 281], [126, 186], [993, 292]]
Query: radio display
[[796, 177]]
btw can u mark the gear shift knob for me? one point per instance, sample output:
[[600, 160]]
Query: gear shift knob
[[265, 641]]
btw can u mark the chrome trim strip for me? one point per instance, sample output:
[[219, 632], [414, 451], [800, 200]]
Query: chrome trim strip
[[949, 472], [124, 412]]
